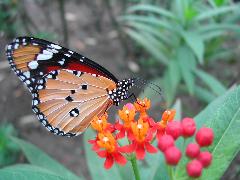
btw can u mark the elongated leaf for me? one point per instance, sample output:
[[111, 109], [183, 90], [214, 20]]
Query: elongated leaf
[[215, 12], [152, 30], [205, 30], [226, 124], [178, 107], [187, 64], [28, 172], [195, 42], [174, 74], [204, 94], [223, 116], [39, 158], [95, 163], [148, 45], [216, 86], [148, 20], [153, 167], [151, 9]]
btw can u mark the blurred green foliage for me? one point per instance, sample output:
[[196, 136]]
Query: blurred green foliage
[[8, 15], [181, 37], [9, 151]]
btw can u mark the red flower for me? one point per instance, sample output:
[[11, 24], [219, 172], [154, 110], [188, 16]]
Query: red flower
[[141, 142], [112, 151]]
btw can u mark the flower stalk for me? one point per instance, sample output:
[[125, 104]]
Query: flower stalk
[[133, 161]]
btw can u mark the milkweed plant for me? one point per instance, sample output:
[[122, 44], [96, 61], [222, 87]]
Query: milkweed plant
[[141, 131], [138, 146]]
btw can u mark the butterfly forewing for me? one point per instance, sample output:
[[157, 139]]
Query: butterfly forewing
[[31, 58], [66, 103]]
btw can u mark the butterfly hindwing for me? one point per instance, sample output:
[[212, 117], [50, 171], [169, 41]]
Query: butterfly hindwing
[[66, 101]]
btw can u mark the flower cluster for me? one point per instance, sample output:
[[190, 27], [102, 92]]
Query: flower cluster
[[199, 159], [141, 130]]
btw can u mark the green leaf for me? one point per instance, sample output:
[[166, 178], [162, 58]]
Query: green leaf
[[39, 158], [151, 9], [178, 107], [225, 123], [215, 12], [186, 62], [204, 94], [215, 85], [210, 31], [195, 42], [146, 43], [153, 166], [172, 77], [223, 116], [153, 30], [29, 172], [95, 163], [148, 20]]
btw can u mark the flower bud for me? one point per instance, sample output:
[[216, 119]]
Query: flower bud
[[192, 150], [194, 168], [205, 136], [165, 142], [188, 127], [174, 129], [172, 155], [205, 158]]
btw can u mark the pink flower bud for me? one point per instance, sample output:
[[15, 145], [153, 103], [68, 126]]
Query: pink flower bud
[[192, 150], [205, 158], [194, 168], [172, 155], [174, 128], [188, 127], [205, 136], [165, 142]]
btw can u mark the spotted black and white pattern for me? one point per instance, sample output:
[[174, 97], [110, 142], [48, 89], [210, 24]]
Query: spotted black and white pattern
[[121, 92]]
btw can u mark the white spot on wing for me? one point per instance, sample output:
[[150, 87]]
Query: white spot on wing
[[27, 74], [44, 56], [33, 65], [56, 46]]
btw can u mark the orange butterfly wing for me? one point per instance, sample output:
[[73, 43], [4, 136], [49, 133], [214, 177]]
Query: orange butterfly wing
[[66, 101]]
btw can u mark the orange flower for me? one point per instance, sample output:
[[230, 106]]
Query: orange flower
[[141, 141], [167, 116], [142, 106], [140, 130], [101, 124], [111, 150], [107, 141], [127, 114]]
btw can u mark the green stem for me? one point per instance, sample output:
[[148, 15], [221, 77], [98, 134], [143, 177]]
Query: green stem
[[135, 168], [170, 172]]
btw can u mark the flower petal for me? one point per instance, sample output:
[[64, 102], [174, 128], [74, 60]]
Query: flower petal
[[140, 151], [119, 158], [102, 154], [126, 149], [108, 162], [150, 148]]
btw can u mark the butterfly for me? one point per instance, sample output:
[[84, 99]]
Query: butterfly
[[67, 88]]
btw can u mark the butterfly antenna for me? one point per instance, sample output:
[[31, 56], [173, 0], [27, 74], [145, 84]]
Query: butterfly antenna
[[152, 86]]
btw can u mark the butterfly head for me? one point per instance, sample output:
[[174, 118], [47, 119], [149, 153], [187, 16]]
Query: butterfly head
[[121, 91]]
